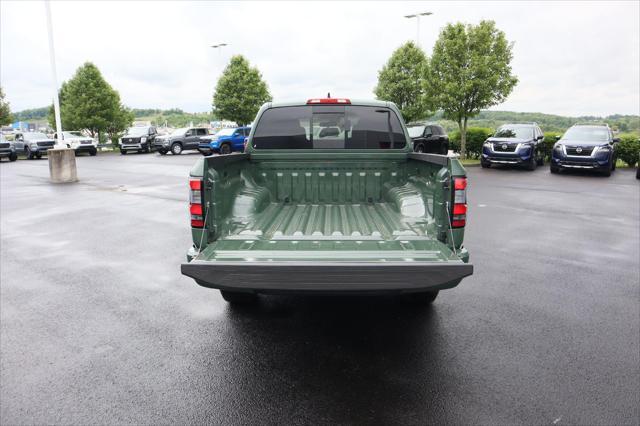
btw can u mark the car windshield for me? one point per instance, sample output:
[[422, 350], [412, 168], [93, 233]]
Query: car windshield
[[72, 135], [587, 133], [137, 131], [514, 132], [225, 132], [329, 127], [416, 131], [35, 135]]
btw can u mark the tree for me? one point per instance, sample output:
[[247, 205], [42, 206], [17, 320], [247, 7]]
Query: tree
[[240, 92], [88, 102], [470, 70], [121, 120], [401, 81], [5, 111]]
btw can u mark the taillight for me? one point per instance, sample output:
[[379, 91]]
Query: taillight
[[329, 101], [195, 203], [459, 214]]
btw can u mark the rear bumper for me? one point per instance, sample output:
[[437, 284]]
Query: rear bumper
[[327, 277]]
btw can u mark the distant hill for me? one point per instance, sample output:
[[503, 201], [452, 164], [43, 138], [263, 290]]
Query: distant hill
[[175, 117]]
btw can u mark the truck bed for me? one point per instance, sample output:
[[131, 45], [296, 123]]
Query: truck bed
[[328, 225]]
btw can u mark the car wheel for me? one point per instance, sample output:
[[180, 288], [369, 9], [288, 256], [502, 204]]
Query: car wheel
[[238, 298], [485, 164], [421, 298], [93, 152], [13, 156], [445, 149], [225, 149], [38, 155], [419, 148], [28, 153], [613, 165], [162, 152], [554, 169], [123, 151], [541, 161], [176, 149], [531, 166]]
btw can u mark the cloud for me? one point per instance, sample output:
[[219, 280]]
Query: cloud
[[572, 58]]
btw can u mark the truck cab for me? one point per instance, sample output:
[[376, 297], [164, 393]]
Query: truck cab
[[429, 138], [225, 141], [328, 197]]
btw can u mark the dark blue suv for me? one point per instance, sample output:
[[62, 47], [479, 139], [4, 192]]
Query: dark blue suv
[[515, 145], [225, 141], [586, 146]]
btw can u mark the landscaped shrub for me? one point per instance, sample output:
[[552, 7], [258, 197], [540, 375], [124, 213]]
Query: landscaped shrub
[[475, 138], [629, 148], [550, 138]]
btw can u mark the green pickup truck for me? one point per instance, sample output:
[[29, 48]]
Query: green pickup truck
[[328, 198]]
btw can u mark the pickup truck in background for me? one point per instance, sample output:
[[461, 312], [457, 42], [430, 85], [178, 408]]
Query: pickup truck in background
[[33, 144], [429, 138], [329, 197], [186, 138], [7, 149], [225, 141], [78, 142]]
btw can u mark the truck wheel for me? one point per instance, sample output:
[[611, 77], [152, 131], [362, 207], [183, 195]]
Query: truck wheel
[[28, 153], [176, 149], [445, 149], [123, 151], [532, 163], [13, 156], [485, 164], [225, 149], [554, 169], [541, 161], [238, 298], [162, 152], [419, 148], [613, 166], [38, 155], [422, 298], [93, 152]]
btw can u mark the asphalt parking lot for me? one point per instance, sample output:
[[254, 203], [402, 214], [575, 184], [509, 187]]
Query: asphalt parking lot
[[99, 326]]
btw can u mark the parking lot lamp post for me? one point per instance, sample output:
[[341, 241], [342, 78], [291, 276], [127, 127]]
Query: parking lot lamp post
[[62, 160], [417, 16]]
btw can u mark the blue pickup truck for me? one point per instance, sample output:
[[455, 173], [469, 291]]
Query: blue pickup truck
[[224, 141]]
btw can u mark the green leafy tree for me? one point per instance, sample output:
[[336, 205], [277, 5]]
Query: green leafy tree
[[5, 111], [240, 92], [88, 102], [470, 70], [401, 81]]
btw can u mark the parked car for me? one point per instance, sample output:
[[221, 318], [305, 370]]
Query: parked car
[[33, 144], [139, 139], [516, 145], [427, 137], [186, 138], [586, 146], [78, 142], [225, 141], [7, 149], [350, 209]]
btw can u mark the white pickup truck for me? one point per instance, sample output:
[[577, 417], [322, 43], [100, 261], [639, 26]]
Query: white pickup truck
[[78, 142]]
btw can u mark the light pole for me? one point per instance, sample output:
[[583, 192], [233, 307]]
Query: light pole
[[417, 16], [219, 46], [62, 160]]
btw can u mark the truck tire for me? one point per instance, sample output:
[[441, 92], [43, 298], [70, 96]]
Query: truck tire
[[238, 298], [176, 149], [225, 149], [419, 148], [162, 152], [554, 169], [421, 298], [533, 163], [28, 153], [541, 161], [485, 164], [38, 155], [13, 156], [93, 152], [123, 152]]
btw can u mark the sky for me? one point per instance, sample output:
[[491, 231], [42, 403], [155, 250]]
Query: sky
[[571, 58]]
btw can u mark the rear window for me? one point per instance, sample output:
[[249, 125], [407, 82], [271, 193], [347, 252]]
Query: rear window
[[329, 127]]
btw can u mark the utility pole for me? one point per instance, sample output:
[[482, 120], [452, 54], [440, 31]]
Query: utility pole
[[62, 160], [417, 16]]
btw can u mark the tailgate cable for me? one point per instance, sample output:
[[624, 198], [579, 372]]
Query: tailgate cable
[[204, 231], [453, 244]]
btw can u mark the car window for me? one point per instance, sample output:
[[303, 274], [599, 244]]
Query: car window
[[201, 132], [329, 127]]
